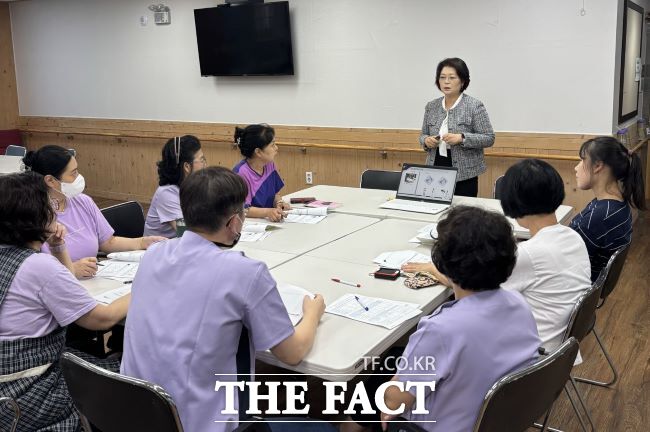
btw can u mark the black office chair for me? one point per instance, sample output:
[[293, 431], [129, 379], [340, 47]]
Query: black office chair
[[15, 150], [127, 219], [15, 408], [379, 179], [498, 186], [116, 403], [607, 281], [518, 399], [100, 395]]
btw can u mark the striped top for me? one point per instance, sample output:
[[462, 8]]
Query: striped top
[[605, 226], [261, 188]]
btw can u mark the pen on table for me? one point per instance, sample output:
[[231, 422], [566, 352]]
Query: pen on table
[[362, 305], [341, 281], [127, 282]]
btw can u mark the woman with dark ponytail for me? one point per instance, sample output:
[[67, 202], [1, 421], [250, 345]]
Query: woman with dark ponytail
[[180, 157], [257, 144], [614, 174]]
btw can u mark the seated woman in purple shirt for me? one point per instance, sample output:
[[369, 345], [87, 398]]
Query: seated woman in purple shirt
[[257, 144], [88, 230], [192, 299], [466, 345], [39, 298], [180, 157]]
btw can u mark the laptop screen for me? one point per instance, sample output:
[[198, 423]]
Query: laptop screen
[[427, 183]]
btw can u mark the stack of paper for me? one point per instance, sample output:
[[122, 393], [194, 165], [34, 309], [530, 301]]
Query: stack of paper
[[426, 235], [396, 259], [110, 296], [118, 270], [306, 215], [131, 256], [293, 297], [319, 203], [255, 231], [373, 310]]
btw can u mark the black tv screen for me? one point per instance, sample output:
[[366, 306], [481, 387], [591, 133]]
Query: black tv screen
[[250, 39]]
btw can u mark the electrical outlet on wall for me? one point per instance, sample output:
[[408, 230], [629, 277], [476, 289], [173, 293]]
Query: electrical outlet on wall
[[309, 177]]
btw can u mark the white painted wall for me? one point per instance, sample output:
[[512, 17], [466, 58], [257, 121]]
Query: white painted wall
[[537, 65]]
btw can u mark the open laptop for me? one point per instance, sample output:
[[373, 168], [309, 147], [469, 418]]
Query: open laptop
[[424, 189]]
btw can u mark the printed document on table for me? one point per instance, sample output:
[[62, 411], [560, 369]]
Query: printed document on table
[[304, 219], [247, 236], [396, 259], [373, 310], [292, 297], [119, 270], [426, 234], [131, 256], [110, 296]]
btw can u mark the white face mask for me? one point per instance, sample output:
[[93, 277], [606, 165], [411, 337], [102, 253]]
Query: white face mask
[[71, 190]]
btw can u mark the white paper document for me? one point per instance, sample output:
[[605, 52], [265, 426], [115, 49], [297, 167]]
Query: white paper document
[[306, 215], [247, 236], [396, 259], [292, 297], [373, 310], [131, 256], [426, 234], [110, 296], [118, 270]]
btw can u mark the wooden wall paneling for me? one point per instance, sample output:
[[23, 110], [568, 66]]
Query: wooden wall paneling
[[8, 93], [122, 164]]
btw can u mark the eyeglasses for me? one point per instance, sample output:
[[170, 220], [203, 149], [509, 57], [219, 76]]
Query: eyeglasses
[[202, 160]]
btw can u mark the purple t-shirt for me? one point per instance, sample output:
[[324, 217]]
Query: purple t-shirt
[[43, 296], [261, 188], [165, 208], [87, 227], [475, 341], [189, 301]]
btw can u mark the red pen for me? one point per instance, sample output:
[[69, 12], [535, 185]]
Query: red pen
[[346, 282]]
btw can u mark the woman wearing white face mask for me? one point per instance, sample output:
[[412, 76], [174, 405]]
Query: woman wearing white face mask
[[88, 230]]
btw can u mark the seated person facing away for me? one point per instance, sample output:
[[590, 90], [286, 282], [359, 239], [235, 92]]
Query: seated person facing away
[[614, 174], [257, 144], [180, 157], [552, 269], [486, 333], [88, 230], [192, 297], [39, 297]]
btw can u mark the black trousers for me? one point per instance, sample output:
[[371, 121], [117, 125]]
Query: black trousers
[[467, 187]]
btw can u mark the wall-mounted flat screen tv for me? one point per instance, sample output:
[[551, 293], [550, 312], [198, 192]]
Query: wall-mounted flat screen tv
[[249, 39]]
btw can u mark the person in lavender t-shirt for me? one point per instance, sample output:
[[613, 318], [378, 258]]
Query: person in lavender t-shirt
[[257, 145], [38, 297], [468, 344], [192, 297], [180, 157], [88, 230]]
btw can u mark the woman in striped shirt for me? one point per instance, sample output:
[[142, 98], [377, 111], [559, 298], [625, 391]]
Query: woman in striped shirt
[[614, 174]]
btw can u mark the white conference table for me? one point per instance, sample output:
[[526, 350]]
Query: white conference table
[[366, 202], [342, 344], [10, 164], [297, 239], [363, 246]]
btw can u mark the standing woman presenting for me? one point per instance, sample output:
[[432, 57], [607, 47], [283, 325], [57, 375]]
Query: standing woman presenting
[[456, 127]]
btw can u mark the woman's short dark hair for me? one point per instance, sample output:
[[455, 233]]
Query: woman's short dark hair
[[475, 248], [25, 210], [531, 187], [459, 66], [625, 166], [209, 197], [255, 136], [170, 167], [48, 160]]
